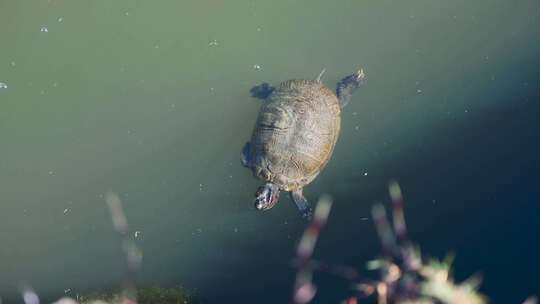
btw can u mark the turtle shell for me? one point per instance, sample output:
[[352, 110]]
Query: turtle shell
[[295, 133]]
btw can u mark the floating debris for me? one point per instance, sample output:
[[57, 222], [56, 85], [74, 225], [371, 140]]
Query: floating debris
[[257, 67], [137, 233], [60, 19], [3, 85], [66, 210], [213, 43], [44, 29]]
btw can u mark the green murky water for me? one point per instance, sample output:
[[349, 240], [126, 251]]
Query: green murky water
[[150, 99]]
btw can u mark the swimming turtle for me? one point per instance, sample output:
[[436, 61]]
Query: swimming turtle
[[294, 136]]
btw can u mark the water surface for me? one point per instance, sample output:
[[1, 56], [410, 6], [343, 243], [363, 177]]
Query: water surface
[[150, 99]]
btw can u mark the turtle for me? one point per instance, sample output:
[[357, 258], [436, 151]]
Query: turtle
[[294, 136]]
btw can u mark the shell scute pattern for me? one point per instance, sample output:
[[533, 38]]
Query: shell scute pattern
[[295, 133]]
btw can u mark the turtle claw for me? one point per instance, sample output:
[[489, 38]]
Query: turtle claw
[[307, 213], [360, 75]]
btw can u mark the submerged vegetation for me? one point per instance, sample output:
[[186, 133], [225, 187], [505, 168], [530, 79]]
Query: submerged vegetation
[[129, 293], [145, 295], [402, 276]]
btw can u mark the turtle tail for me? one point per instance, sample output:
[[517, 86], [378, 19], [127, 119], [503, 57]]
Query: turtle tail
[[320, 75]]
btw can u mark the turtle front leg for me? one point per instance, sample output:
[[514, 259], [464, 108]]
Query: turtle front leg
[[262, 91], [301, 202], [346, 87], [245, 156]]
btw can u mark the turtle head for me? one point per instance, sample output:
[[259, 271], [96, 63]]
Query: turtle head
[[266, 196]]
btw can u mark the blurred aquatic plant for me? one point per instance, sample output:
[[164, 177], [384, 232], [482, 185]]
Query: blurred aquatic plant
[[145, 295], [403, 277], [129, 293]]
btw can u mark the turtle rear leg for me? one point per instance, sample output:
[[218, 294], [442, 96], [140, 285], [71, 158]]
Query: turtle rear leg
[[301, 202], [262, 91], [346, 86]]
